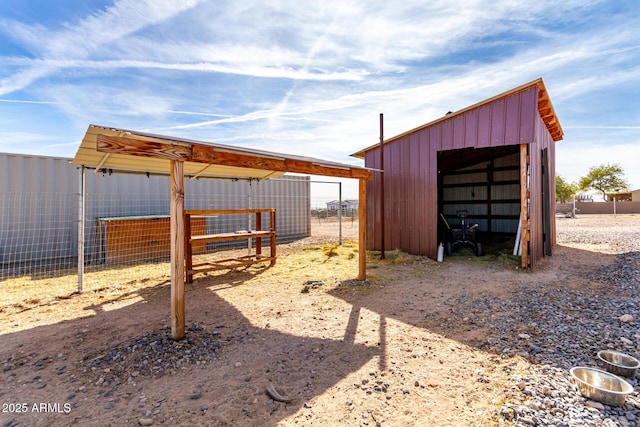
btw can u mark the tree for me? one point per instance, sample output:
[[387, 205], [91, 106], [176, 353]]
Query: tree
[[606, 178], [565, 190]]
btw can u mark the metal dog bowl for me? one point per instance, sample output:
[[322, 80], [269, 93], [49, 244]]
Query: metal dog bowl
[[618, 363], [600, 385]]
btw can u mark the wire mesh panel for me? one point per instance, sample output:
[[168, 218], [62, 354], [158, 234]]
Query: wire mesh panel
[[37, 234], [334, 211], [127, 227]]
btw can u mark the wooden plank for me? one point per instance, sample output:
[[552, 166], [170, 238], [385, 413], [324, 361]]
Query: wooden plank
[[237, 261], [227, 211], [213, 155], [259, 228], [177, 250], [230, 263], [272, 227], [137, 147], [231, 236], [362, 230], [188, 251], [142, 239]]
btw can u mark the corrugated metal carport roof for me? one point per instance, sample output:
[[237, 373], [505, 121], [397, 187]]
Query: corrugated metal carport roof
[[108, 148]]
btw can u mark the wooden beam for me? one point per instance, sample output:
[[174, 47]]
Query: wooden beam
[[137, 147], [213, 155], [362, 230], [208, 154], [177, 250]]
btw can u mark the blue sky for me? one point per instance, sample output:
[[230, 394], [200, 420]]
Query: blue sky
[[311, 78]]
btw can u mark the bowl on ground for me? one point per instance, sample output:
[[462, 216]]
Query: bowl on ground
[[618, 363], [605, 387]]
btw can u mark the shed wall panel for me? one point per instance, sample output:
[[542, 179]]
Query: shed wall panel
[[528, 115], [414, 193], [543, 140], [471, 136], [484, 126], [513, 106], [498, 123]]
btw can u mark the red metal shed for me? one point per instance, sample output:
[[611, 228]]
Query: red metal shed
[[494, 159]]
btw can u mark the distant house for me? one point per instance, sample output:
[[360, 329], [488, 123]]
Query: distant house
[[625, 196], [348, 206]]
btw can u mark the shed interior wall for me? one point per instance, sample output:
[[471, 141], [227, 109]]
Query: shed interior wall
[[489, 191]]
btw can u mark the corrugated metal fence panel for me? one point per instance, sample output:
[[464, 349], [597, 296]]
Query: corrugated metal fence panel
[[38, 203], [291, 197], [36, 174]]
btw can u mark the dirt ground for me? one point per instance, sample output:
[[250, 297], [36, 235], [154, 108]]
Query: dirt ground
[[300, 343]]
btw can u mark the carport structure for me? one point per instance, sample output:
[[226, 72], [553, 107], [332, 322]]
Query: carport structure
[[494, 159], [118, 150]]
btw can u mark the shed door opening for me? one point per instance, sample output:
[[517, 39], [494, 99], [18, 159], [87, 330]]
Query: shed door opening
[[486, 184]]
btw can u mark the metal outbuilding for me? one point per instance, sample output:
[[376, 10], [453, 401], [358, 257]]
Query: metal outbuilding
[[495, 159]]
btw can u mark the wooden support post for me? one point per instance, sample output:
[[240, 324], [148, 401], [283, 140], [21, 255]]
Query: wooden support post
[[272, 224], [177, 250], [258, 228], [362, 229], [188, 249], [524, 206]]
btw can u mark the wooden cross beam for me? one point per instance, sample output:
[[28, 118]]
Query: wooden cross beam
[[207, 154]]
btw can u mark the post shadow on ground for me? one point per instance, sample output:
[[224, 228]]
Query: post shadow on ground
[[471, 319]]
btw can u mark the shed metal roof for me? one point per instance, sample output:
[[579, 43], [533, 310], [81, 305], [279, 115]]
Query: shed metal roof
[[545, 109], [121, 150]]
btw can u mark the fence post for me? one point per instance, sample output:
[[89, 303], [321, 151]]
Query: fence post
[[340, 213], [81, 188]]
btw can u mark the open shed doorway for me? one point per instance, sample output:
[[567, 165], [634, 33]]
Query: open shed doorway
[[483, 186]]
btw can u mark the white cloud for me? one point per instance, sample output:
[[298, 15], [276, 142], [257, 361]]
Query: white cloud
[[311, 78], [79, 40]]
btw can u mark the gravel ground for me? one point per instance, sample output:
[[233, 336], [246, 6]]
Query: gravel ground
[[566, 327]]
